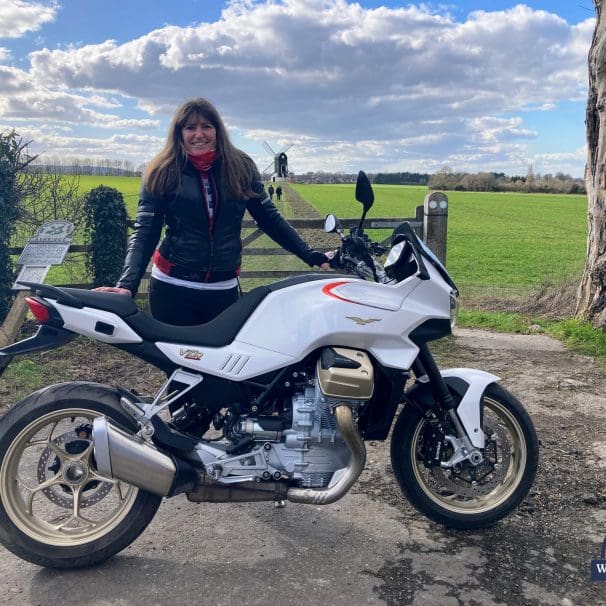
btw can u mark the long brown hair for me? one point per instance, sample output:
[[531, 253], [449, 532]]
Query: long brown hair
[[163, 173]]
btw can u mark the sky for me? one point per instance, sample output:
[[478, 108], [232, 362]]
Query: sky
[[380, 86]]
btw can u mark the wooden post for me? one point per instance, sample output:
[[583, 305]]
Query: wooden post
[[12, 324], [14, 319], [435, 223]]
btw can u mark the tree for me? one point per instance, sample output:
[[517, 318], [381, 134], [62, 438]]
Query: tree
[[14, 159], [591, 299], [51, 196]]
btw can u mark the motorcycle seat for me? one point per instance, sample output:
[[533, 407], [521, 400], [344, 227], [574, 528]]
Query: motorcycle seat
[[121, 305]]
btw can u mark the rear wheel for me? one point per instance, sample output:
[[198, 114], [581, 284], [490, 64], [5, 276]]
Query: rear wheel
[[467, 496], [55, 509]]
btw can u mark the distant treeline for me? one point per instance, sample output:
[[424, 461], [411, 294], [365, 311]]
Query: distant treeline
[[444, 179], [559, 183], [402, 178], [449, 180], [84, 166]]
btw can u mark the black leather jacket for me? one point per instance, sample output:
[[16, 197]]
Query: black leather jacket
[[195, 251]]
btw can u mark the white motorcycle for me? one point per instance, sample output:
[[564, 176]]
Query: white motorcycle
[[271, 401]]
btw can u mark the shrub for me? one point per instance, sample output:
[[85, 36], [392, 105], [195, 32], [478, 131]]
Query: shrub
[[106, 225], [13, 160]]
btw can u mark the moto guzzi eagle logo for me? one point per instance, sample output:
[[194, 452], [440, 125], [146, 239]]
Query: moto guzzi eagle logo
[[191, 354], [362, 321]]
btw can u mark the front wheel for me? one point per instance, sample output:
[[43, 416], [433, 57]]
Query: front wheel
[[467, 496], [55, 509]]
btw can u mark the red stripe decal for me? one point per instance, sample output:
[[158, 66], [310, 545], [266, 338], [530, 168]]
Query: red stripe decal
[[327, 290]]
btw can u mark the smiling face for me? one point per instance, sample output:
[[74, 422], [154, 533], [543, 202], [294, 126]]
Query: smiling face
[[198, 135]]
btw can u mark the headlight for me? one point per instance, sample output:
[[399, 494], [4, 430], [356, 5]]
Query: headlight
[[454, 308]]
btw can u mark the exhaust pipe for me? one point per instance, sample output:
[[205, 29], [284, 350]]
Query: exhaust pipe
[[343, 479], [209, 491], [122, 456]]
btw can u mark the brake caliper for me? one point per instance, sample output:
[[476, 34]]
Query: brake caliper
[[435, 446]]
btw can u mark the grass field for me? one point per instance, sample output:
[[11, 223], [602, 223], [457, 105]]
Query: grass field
[[504, 243], [499, 244], [127, 186]]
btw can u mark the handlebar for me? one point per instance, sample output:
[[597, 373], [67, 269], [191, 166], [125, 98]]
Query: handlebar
[[357, 255]]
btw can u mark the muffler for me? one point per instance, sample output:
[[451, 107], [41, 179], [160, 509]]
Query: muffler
[[122, 456]]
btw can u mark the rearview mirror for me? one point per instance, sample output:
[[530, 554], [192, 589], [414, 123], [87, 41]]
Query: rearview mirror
[[331, 224], [364, 193]]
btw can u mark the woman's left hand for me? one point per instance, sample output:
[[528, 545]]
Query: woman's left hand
[[315, 257]]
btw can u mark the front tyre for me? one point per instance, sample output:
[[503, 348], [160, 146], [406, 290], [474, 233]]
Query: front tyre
[[468, 497], [55, 509]]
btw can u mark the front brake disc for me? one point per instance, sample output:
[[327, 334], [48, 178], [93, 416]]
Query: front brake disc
[[464, 483]]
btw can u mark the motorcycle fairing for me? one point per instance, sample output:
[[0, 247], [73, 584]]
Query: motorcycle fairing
[[292, 322], [96, 323]]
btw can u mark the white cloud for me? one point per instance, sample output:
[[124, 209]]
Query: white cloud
[[57, 140], [18, 17], [26, 100], [412, 82]]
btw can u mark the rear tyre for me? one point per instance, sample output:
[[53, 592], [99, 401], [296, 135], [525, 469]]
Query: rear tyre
[[468, 497], [55, 509]]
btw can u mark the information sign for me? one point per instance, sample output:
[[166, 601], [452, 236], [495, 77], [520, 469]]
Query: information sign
[[43, 253], [30, 273], [48, 246]]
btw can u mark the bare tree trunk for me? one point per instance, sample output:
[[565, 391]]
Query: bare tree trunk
[[591, 299]]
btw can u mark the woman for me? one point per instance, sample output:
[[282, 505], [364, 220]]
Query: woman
[[199, 186]]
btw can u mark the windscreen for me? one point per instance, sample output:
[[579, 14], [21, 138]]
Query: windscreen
[[431, 257]]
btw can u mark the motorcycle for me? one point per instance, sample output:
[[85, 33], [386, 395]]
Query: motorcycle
[[262, 404]]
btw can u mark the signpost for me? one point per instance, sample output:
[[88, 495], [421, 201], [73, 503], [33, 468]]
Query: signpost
[[48, 246]]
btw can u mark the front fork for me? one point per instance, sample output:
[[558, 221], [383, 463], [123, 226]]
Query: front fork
[[465, 416]]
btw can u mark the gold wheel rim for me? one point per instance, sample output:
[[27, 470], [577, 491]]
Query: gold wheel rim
[[429, 479], [55, 496]]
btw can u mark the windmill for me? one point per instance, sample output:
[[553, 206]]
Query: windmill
[[279, 162]]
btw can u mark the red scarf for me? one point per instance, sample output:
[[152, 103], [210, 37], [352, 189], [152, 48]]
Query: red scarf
[[204, 161]]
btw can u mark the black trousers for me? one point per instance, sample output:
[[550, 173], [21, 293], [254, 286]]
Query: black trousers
[[182, 306]]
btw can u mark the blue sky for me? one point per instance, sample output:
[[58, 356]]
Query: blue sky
[[373, 85]]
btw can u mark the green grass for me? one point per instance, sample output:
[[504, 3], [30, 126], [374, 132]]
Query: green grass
[[506, 243], [496, 321], [390, 200], [127, 186], [25, 374], [499, 244], [503, 243], [578, 336]]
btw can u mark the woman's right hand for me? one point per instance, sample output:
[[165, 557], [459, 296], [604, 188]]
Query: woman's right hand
[[117, 289]]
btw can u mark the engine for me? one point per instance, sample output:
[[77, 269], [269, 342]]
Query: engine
[[311, 449]]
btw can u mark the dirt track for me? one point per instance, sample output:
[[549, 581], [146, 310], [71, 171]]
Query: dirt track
[[372, 547]]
